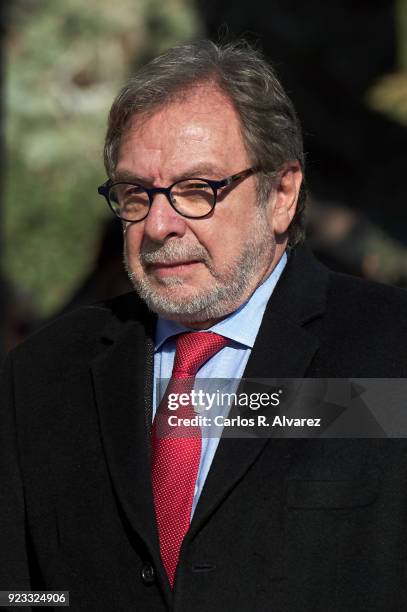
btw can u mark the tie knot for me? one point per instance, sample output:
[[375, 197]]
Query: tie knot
[[193, 349]]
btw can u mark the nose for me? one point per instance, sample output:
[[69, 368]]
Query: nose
[[163, 221]]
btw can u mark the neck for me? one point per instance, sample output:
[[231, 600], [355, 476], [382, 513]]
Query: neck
[[199, 325]]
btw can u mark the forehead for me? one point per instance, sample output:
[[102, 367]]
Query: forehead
[[202, 128]]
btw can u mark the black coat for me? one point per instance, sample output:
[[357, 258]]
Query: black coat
[[281, 525]]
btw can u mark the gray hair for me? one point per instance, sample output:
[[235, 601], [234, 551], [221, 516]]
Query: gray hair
[[270, 128]]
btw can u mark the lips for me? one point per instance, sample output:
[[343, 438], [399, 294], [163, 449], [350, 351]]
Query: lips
[[172, 264], [166, 268]]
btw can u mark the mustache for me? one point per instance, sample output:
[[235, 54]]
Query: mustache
[[172, 252]]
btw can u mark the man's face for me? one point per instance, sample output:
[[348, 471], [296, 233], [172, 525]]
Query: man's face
[[195, 271]]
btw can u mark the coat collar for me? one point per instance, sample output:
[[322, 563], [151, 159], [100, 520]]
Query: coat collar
[[284, 347]]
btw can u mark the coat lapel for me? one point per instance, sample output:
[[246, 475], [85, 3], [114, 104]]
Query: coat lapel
[[284, 348], [123, 378]]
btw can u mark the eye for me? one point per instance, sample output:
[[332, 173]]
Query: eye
[[130, 193], [128, 200], [192, 190], [195, 185]]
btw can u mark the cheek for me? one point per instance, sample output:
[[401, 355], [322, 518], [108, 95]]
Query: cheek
[[132, 238], [235, 216], [224, 241]]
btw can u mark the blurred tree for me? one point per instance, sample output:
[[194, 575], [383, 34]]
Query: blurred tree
[[388, 95], [66, 62], [3, 293]]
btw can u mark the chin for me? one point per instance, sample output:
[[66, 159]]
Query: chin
[[174, 298], [185, 310], [181, 305]]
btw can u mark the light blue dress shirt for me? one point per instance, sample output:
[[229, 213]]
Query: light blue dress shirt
[[241, 327]]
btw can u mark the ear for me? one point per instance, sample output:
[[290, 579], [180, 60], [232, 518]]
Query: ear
[[285, 196]]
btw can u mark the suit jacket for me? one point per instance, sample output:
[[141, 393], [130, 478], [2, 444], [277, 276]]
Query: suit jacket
[[281, 525]]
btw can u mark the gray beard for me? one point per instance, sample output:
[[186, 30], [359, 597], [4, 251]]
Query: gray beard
[[229, 287]]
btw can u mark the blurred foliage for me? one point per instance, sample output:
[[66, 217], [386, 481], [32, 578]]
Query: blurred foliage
[[66, 62], [401, 21], [389, 94]]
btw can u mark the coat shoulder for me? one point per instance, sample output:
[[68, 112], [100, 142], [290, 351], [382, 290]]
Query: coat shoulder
[[364, 329], [367, 303], [81, 333]]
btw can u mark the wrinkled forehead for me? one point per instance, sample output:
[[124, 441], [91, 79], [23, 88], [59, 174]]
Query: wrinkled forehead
[[201, 126], [204, 101]]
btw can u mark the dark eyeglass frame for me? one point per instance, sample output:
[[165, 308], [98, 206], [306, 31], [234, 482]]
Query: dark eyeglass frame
[[151, 191]]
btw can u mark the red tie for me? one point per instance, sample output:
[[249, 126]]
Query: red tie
[[176, 452]]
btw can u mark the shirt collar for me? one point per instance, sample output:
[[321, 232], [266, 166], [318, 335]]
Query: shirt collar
[[242, 325]]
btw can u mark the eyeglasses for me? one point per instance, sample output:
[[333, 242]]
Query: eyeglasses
[[193, 198]]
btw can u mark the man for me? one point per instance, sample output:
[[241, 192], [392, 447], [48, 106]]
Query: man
[[205, 163]]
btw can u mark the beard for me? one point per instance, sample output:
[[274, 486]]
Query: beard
[[229, 287]]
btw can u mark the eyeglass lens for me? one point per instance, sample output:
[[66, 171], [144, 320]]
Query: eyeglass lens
[[191, 198]]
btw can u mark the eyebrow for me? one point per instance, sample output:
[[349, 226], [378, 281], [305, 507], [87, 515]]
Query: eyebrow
[[198, 171]]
